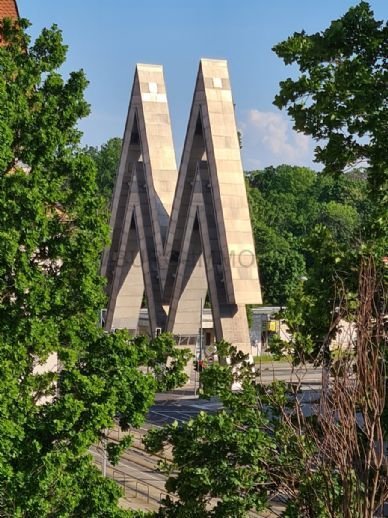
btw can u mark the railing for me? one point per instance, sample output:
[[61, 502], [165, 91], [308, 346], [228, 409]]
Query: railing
[[137, 489]]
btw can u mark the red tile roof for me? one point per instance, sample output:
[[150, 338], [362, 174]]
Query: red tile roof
[[8, 9]]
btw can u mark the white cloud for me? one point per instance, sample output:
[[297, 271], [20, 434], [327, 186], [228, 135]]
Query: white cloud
[[268, 139]]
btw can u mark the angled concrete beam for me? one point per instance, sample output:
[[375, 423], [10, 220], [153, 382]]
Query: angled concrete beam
[[147, 154]]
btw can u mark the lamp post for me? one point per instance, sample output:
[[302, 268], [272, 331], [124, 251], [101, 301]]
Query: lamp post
[[200, 333], [198, 360], [104, 453]]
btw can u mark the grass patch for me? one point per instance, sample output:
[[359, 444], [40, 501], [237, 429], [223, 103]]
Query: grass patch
[[270, 358]]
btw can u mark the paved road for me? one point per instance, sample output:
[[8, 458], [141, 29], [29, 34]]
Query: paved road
[[309, 377], [270, 371], [181, 410]]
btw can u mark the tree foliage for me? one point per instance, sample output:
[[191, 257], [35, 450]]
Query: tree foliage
[[220, 459], [106, 158], [268, 443], [340, 100], [289, 205], [53, 229], [340, 97]]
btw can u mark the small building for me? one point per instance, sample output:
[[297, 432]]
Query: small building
[[264, 322]]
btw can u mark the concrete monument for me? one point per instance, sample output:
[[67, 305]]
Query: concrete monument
[[178, 237]]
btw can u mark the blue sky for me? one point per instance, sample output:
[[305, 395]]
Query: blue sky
[[107, 39]]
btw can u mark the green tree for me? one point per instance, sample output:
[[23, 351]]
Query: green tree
[[340, 97], [233, 461], [220, 459], [107, 159], [53, 229], [281, 264], [288, 206], [341, 101], [260, 446]]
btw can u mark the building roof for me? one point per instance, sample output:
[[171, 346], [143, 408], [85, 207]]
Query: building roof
[[8, 9]]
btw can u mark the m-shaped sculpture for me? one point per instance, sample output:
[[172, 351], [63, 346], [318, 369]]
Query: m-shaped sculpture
[[178, 236]]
